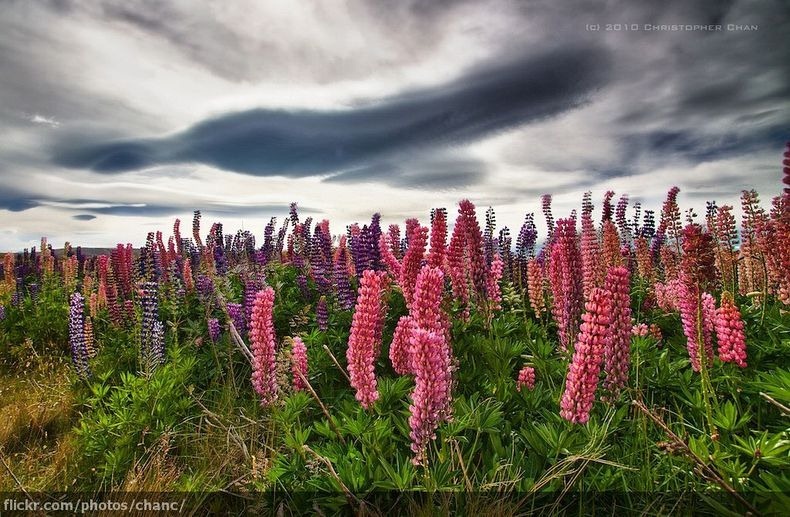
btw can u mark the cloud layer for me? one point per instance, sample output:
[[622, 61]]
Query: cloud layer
[[477, 104], [117, 116]]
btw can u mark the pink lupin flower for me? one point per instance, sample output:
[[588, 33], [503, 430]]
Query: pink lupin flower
[[418, 239], [264, 359], [697, 316], [640, 330], [388, 257], [429, 398], [730, 332], [364, 341], [455, 262], [298, 363], [617, 348], [582, 379], [566, 286], [438, 250], [492, 282], [668, 295], [526, 378], [399, 349], [590, 250]]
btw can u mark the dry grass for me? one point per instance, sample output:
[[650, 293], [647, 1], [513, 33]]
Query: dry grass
[[37, 409]]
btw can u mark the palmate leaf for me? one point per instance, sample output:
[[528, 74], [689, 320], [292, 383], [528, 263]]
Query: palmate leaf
[[775, 383]]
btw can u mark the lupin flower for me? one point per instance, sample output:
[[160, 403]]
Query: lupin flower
[[90, 341], [492, 282], [644, 259], [364, 341], [488, 235], [418, 239], [640, 329], [236, 313], [205, 287], [427, 314], [611, 255], [617, 349], [730, 332], [189, 283], [668, 295], [545, 201], [322, 315], [151, 330], [582, 379], [566, 286], [465, 258], [298, 363], [696, 324], [2, 312], [786, 169], [697, 309], [592, 265], [620, 217], [345, 293], [393, 234], [8, 271], [399, 349], [388, 257], [264, 362], [196, 229], [79, 351], [429, 398], [214, 329], [526, 378], [535, 287], [438, 250]]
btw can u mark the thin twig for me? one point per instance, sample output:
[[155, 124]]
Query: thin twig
[[323, 407], [785, 410], [13, 476], [234, 333], [712, 473], [334, 360]]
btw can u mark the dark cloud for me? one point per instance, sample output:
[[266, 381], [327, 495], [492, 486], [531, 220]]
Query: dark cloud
[[15, 201], [265, 142], [83, 217], [433, 174], [698, 147]]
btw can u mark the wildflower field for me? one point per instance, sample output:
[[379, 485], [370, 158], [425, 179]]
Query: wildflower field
[[629, 359]]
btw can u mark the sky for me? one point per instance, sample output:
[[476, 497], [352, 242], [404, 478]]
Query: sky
[[116, 117]]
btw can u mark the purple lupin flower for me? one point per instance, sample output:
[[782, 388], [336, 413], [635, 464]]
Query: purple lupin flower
[[220, 261], [33, 290], [268, 240], [152, 352], [79, 350], [251, 288], [488, 235], [214, 329], [374, 235], [301, 281], [236, 313], [2, 312], [321, 256], [345, 293], [205, 287], [322, 315]]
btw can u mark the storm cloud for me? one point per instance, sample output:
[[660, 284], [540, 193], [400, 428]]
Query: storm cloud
[[265, 142]]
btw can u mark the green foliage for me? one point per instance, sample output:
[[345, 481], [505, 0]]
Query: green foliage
[[499, 440]]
